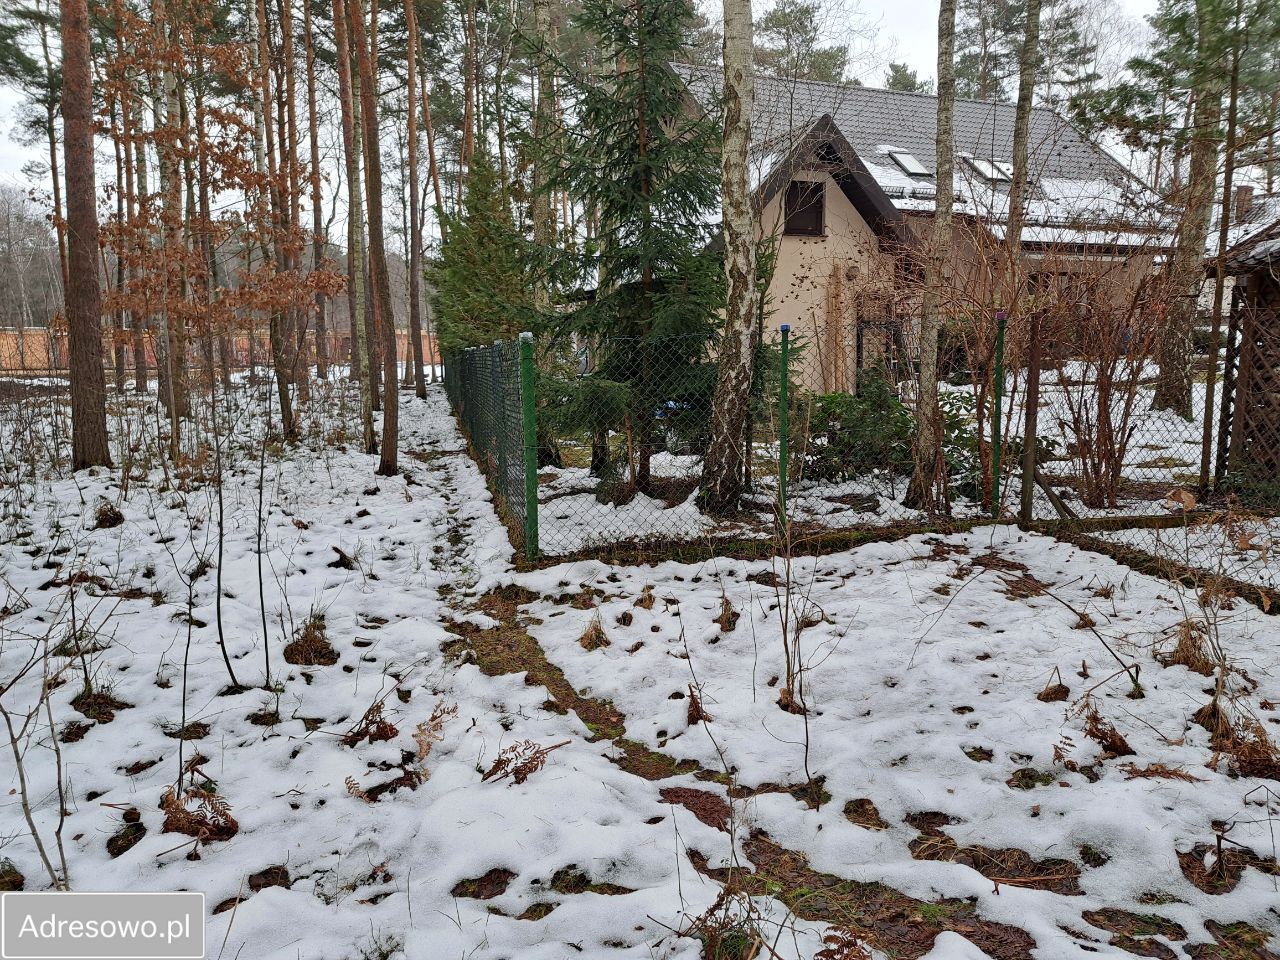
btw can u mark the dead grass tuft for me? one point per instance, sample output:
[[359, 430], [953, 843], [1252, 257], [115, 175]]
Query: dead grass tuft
[[1191, 649], [729, 617], [98, 705], [594, 637], [696, 713], [107, 516], [311, 647]]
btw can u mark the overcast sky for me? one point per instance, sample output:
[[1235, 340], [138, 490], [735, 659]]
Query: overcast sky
[[914, 27], [908, 26]]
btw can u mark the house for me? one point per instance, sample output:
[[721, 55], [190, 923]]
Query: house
[[1251, 383], [845, 182]]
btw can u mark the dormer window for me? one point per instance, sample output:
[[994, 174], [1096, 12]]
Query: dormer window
[[909, 164], [804, 209], [996, 171]]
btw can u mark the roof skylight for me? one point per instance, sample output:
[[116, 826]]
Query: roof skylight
[[997, 171], [909, 164]]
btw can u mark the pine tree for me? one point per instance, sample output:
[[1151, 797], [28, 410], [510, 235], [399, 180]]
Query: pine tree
[[989, 45], [788, 44], [899, 76], [84, 320]]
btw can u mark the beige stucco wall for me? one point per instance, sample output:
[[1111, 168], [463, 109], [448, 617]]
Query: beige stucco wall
[[817, 282], [823, 286]]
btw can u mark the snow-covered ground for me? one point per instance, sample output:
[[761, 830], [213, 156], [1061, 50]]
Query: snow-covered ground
[[896, 806]]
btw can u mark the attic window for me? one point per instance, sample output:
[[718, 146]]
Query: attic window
[[804, 208], [997, 171], [909, 164], [827, 154]]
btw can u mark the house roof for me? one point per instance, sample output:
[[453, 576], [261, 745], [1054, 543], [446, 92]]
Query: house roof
[[1262, 216], [1074, 180], [1259, 250]]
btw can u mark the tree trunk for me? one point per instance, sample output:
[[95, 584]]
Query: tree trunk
[[1224, 237], [381, 281], [299, 370], [317, 222], [355, 226], [83, 298], [1028, 64], [415, 223], [368, 328], [139, 317], [543, 225], [278, 330], [1185, 271], [927, 490], [722, 471], [433, 168]]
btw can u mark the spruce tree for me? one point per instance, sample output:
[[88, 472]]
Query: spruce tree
[[646, 170], [480, 284]]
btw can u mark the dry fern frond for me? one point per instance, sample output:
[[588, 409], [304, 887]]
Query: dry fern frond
[[198, 813], [728, 618], [520, 761], [696, 713], [1157, 771], [842, 945], [431, 731], [1098, 728], [356, 791], [372, 726]]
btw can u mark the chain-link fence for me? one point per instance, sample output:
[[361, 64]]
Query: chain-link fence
[[614, 452], [485, 390]]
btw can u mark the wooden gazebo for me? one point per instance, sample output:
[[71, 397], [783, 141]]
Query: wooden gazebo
[[1249, 441]]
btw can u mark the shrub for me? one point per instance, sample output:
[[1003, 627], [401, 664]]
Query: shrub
[[852, 435]]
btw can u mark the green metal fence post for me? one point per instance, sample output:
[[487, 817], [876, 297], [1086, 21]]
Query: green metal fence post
[[530, 425], [784, 422], [997, 429]]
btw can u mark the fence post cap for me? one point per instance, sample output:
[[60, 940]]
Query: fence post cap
[[785, 328]]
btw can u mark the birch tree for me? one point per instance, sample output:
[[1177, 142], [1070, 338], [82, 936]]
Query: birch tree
[[722, 476], [928, 488]]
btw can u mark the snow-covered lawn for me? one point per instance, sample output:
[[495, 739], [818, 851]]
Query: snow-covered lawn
[[928, 800]]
